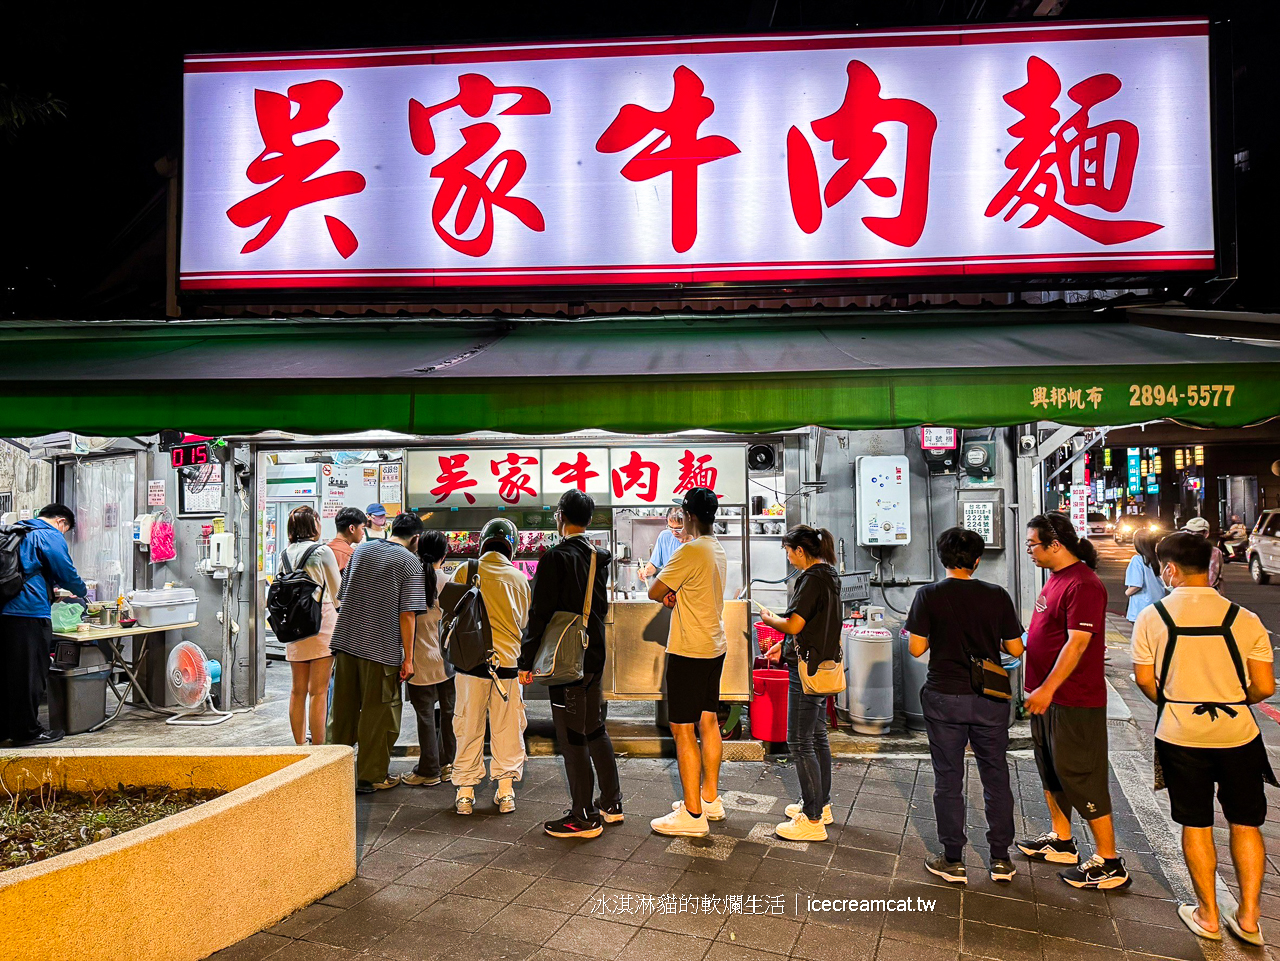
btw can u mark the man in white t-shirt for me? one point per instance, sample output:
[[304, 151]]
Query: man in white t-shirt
[[1206, 736], [692, 585]]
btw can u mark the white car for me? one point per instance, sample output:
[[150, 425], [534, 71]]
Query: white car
[[1264, 548], [1098, 524]]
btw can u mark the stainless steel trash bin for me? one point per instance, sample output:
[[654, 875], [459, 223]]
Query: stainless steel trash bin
[[868, 658], [78, 687]]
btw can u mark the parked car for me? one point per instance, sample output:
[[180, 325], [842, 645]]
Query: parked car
[[1099, 526], [1263, 552], [1129, 524]]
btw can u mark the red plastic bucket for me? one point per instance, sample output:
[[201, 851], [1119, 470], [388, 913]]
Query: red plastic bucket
[[769, 704]]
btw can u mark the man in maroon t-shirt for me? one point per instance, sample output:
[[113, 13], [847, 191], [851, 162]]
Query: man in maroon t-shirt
[[1067, 701]]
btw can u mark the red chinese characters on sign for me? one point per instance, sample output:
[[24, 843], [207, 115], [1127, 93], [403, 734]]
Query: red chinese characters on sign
[[292, 166], [684, 151], [854, 140], [1071, 159], [576, 473], [458, 183], [639, 473], [515, 481], [453, 478], [695, 472]]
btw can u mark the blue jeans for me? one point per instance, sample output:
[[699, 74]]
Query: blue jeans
[[807, 739], [954, 720]]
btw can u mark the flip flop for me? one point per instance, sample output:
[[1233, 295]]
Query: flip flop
[[1187, 912], [1248, 937]]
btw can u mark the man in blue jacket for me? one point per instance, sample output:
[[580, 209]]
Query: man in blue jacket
[[26, 630]]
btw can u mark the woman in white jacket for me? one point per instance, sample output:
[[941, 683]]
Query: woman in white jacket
[[309, 657]]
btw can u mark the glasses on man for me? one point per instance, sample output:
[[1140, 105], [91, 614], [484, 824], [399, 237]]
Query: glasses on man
[[1032, 545]]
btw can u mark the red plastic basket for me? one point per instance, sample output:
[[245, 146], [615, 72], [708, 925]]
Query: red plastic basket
[[767, 636]]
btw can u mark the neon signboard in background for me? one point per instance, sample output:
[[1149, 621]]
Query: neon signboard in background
[[1039, 148]]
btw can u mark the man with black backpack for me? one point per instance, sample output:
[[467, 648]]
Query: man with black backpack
[[490, 691], [382, 595], [34, 559], [561, 583]]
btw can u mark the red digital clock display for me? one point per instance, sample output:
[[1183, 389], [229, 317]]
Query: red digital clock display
[[189, 455]]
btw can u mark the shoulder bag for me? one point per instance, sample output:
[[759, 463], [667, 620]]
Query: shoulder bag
[[827, 680], [987, 677], [564, 641]]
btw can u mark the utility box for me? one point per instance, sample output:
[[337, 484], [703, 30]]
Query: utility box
[[883, 501]]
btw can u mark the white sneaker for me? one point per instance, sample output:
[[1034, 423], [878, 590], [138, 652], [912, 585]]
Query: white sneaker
[[680, 823], [465, 802], [800, 828], [793, 809], [714, 810]]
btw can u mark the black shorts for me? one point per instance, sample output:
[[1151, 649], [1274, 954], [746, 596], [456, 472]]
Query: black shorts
[[1191, 773], [1070, 747], [693, 687]]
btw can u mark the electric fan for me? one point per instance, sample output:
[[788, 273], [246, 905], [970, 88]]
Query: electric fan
[[190, 676]]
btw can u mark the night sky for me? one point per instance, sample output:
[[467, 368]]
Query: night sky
[[80, 193]]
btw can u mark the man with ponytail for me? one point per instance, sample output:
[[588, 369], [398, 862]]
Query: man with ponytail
[[1067, 701]]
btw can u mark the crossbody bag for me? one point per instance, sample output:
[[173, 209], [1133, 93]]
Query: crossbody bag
[[564, 641]]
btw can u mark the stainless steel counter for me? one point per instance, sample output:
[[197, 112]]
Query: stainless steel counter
[[637, 637]]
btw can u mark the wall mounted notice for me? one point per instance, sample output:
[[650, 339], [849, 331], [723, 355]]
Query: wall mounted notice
[[1080, 509], [1013, 148], [155, 493]]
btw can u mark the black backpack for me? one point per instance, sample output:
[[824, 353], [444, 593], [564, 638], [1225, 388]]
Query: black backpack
[[12, 577], [292, 609], [466, 635]]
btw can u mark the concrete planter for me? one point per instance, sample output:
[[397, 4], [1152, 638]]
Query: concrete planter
[[193, 883]]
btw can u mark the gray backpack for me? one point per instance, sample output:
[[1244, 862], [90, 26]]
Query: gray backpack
[[564, 641]]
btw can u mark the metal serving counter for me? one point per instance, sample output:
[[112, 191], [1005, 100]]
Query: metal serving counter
[[637, 643]]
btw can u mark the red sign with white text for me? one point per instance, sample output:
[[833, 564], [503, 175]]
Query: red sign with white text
[[1045, 148]]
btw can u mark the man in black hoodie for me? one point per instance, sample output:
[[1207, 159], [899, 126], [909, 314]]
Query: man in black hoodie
[[560, 584]]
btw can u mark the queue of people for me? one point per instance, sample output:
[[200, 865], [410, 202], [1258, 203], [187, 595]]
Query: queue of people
[[388, 630]]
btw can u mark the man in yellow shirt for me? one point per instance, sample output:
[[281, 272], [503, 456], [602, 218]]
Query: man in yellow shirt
[[1203, 661]]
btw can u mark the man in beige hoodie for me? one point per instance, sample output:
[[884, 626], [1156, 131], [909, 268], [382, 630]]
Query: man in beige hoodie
[[479, 697]]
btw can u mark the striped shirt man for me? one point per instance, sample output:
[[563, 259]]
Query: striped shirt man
[[382, 581]]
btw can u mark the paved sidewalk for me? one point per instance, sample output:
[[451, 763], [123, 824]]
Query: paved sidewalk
[[436, 885]]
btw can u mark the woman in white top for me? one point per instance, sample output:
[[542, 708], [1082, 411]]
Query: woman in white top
[[432, 680], [309, 657]]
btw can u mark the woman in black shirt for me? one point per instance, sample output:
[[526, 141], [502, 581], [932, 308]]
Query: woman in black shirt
[[812, 628]]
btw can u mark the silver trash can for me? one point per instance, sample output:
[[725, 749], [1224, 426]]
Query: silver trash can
[[868, 658]]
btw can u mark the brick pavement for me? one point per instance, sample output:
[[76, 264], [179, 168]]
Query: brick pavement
[[435, 885]]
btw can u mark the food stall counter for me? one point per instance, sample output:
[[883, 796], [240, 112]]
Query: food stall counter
[[637, 639]]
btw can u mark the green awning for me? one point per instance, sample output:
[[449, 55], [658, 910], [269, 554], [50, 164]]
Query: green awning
[[734, 373]]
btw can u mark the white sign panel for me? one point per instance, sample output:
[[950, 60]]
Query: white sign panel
[[938, 438], [487, 477], [660, 476], [979, 517], [583, 468], [1080, 509], [1040, 148], [155, 493]]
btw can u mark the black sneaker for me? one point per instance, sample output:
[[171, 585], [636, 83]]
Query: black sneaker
[[1002, 869], [610, 814], [42, 739], [571, 826], [1050, 847], [1097, 874], [950, 871]]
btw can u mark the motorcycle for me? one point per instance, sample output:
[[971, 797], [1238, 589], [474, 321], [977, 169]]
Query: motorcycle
[[1233, 544]]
